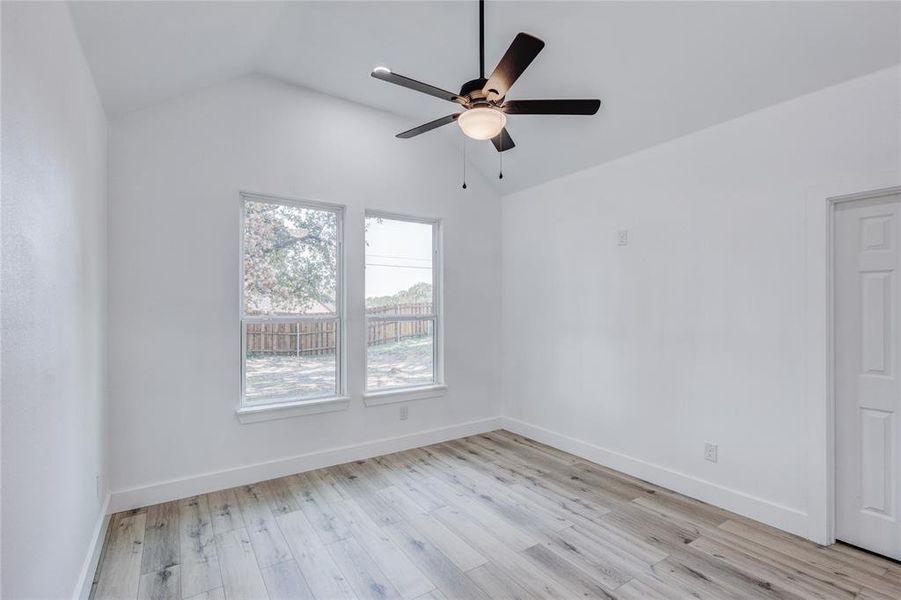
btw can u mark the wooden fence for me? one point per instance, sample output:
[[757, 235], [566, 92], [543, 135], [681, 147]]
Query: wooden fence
[[313, 338], [304, 338]]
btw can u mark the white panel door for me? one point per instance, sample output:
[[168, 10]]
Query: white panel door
[[867, 365]]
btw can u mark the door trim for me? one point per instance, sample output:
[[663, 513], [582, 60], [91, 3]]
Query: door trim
[[819, 390]]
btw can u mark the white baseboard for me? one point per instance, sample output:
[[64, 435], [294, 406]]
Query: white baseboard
[[779, 516], [210, 482], [86, 578]]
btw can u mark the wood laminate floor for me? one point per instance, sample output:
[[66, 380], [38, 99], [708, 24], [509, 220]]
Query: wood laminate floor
[[489, 516]]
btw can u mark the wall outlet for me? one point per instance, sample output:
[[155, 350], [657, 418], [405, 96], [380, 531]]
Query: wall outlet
[[710, 452], [404, 413], [622, 237]]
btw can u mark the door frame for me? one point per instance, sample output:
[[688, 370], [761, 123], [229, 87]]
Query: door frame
[[821, 205]]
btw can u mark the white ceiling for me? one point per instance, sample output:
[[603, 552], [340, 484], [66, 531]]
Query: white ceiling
[[663, 69]]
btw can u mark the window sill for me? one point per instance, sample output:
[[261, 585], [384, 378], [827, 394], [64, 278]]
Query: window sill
[[284, 410], [404, 395]]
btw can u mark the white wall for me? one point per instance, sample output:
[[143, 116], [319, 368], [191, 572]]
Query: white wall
[[695, 331], [175, 175], [53, 302]]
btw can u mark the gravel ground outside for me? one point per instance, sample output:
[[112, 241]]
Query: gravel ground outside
[[404, 363]]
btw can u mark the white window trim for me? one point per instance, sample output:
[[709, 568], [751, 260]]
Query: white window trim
[[438, 387], [406, 394], [284, 410], [290, 406]]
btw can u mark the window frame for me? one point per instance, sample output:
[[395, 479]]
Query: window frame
[[438, 386], [291, 405]]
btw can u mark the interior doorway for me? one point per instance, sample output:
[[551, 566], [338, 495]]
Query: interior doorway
[[867, 363]]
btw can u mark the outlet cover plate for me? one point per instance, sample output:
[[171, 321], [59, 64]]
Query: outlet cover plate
[[710, 452]]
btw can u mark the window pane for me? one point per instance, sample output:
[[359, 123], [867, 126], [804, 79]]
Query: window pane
[[398, 267], [290, 259], [400, 354], [290, 360]]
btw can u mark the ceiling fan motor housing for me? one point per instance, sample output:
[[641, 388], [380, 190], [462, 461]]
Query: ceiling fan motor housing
[[472, 90]]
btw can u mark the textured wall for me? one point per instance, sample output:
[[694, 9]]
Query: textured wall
[[53, 302]]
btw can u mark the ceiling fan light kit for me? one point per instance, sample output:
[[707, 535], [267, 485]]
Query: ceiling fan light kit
[[482, 123], [484, 100]]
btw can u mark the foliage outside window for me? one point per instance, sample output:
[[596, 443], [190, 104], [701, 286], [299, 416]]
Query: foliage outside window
[[291, 314]]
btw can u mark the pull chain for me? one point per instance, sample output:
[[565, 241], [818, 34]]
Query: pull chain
[[464, 162], [500, 174]]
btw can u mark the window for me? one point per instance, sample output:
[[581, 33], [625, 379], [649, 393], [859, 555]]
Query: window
[[402, 303], [291, 301]]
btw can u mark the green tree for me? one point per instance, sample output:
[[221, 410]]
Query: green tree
[[418, 293], [290, 259]]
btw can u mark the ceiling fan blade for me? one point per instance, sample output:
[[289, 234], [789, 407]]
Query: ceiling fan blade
[[428, 126], [519, 55], [551, 107], [502, 141], [386, 75]]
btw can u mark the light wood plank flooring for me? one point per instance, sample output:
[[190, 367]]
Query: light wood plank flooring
[[489, 516]]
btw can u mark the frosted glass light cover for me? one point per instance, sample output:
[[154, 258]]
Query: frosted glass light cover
[[482, 123]]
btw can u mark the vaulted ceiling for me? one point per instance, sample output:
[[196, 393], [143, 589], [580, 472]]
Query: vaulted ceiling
[[663, 69]]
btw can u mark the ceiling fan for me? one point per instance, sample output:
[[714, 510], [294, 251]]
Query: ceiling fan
[[484, 100]]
